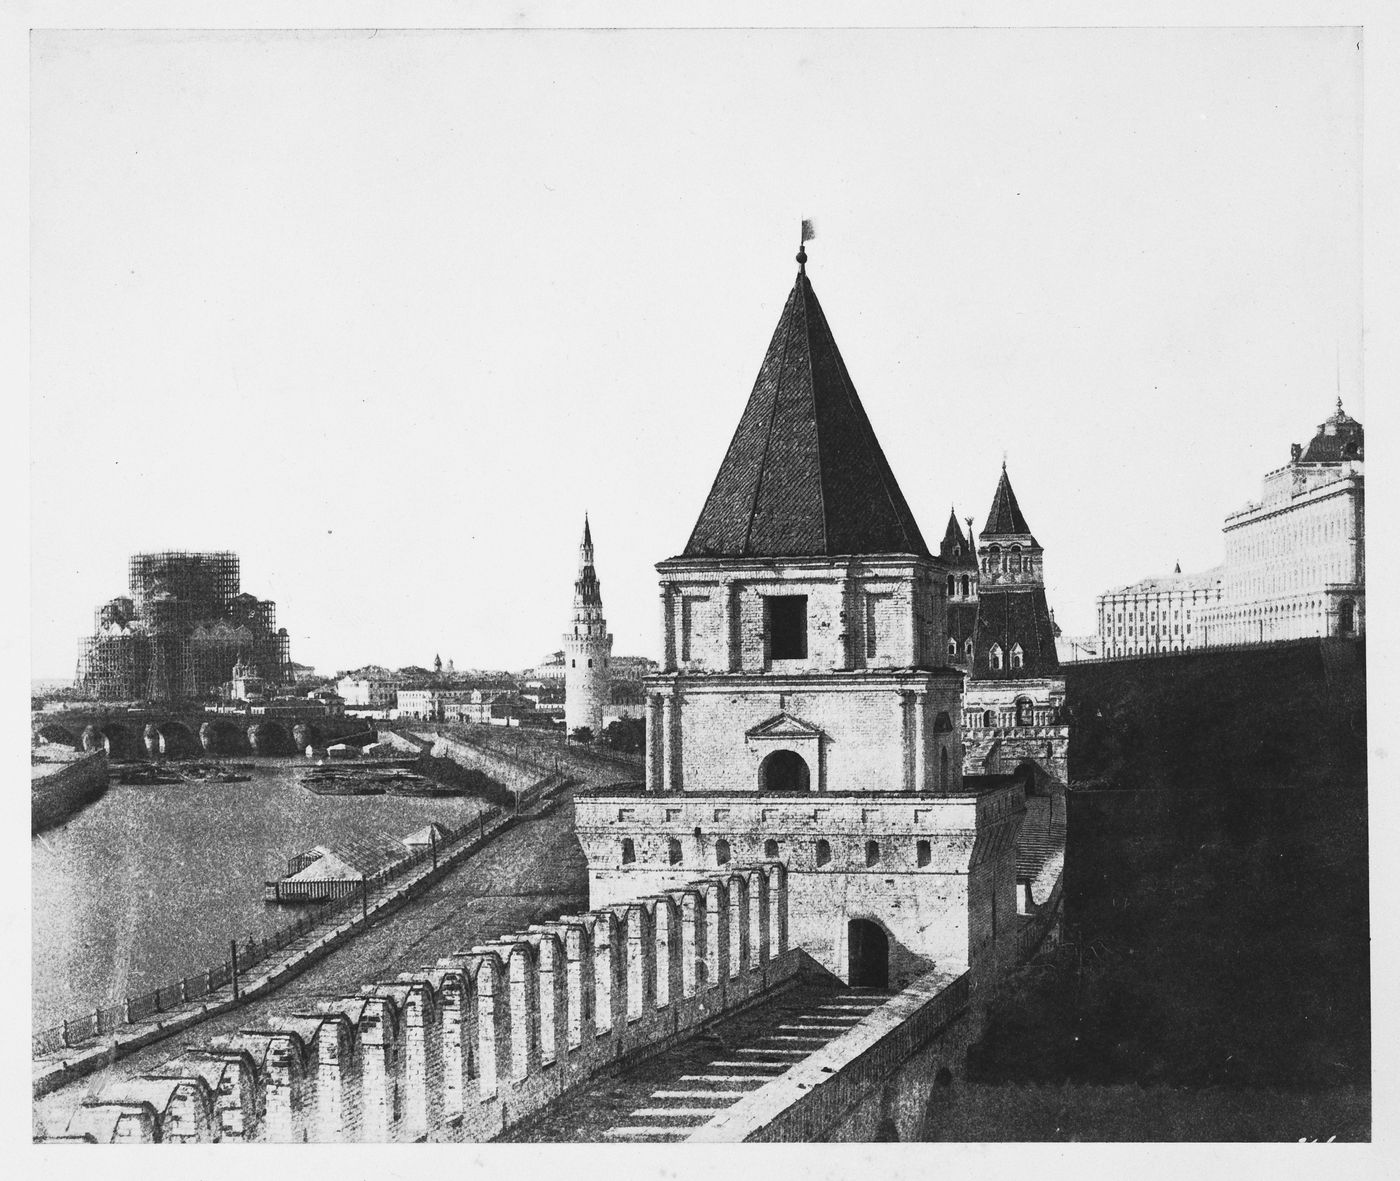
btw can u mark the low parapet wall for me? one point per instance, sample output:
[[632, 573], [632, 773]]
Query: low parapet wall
[[480, 1041]]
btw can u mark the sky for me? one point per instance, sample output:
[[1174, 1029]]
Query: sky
[[386, 313]]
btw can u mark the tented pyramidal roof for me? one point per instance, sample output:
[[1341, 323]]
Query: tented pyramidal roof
[[804, 474], [1005, 516]]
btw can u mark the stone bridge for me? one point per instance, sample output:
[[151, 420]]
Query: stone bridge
[[148, 732]]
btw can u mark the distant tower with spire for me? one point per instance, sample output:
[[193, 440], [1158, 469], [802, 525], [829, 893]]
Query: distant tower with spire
[[587, 647]]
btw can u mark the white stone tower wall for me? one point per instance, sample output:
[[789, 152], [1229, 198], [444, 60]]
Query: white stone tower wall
[[587, 648]]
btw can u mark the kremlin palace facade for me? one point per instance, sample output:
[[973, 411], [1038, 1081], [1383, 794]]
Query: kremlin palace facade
[[1295, 563]]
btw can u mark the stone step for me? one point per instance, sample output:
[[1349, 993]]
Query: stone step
[[640, 1133], [695, 1093], [726, 1078]]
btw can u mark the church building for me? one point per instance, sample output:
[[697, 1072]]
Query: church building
[[807, 710]]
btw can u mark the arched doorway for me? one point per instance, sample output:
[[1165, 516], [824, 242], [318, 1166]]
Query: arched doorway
[[868, 954], [1346, 617], [784, 770]]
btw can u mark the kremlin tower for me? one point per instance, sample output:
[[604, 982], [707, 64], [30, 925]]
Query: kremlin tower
[[587, 647]]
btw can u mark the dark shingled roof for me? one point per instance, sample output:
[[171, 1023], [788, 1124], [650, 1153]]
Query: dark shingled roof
[[1005, 515], [1345, 440], [1009, 617], [955, 541], [804, 474], [962, 625]]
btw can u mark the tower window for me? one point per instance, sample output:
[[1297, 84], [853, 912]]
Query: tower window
[[590, 662], [924, 853], [1017, 656], [673, 851], [787, 627], [770, 848], [872, 853], [966, 584], [952, 582], [629, 851], [968, 650], [994, 657], [989, 719], [952, 647], [823, 852], [573, 664], [721, 852]]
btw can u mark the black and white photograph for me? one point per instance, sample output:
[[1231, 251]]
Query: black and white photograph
[[600, 576]]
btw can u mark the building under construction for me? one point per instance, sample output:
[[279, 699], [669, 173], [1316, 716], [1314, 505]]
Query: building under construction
[[179, 631]]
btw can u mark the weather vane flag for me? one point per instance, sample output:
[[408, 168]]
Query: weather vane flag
[[808, 233]]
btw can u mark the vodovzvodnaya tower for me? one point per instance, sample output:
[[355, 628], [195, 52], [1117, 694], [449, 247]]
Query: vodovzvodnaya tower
[[587, 647]]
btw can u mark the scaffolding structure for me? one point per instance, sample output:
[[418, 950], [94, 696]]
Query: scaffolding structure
[[180, 631]]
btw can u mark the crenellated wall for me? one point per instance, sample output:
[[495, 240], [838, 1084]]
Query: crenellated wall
[[480, 1041]]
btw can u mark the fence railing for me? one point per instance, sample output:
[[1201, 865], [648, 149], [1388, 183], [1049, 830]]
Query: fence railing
[[358, 894]]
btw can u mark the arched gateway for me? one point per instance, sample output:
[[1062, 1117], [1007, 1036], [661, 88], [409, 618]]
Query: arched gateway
[[868, 954], [784, 770]]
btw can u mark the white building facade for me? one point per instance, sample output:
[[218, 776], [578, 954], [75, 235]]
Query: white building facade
[[1295, 563], [1157, 614]]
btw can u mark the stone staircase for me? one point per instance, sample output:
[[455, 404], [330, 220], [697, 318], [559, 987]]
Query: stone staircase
[[667, 1097]]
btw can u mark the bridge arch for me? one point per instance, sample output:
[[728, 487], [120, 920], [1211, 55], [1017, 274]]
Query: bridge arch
[[174, 740], [221, 736], [270, 738], [56, 735]]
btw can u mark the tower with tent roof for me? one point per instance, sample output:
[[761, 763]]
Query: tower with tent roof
[[806, 710]]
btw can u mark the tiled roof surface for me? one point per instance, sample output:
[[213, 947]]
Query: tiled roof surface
[[1008, 618], [1005, 515], [804, 473], [962, 622], [1347, 439], [953, 539]]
